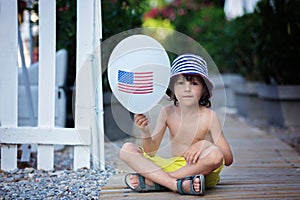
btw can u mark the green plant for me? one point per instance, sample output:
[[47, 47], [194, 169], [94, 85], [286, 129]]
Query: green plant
[[208, 29], [202, 20], [122, 15], [240, 39], [278, 41], [119, 16], [66, 34]]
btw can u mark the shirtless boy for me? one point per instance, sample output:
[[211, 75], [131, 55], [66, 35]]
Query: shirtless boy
[[198, 146]]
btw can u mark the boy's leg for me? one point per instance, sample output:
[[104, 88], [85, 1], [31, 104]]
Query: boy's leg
[[134, 158], [209, 160]]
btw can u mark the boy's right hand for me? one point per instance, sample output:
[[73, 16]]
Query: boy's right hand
[[141, 121]]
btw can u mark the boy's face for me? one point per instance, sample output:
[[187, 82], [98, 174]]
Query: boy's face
[[188, 92]]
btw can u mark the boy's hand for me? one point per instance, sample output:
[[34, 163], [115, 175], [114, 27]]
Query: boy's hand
[[141, 121], [192, 154], [194, 151]]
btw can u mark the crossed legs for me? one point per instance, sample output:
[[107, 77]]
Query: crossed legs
[[133, 157]]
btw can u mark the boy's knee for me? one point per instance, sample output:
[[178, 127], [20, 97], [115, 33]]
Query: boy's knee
[[216, 157], [213, 156], [127, 147]]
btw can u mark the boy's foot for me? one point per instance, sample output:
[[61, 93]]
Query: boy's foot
[[186, 183], [138, 183], [134, 179], [194, 185]]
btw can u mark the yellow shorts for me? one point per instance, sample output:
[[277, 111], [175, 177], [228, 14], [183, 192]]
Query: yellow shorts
[[175, 163]]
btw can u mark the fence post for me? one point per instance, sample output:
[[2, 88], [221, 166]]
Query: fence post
[[98, 123], [46, 97], [84, 97], [89, 108], [8, 78]]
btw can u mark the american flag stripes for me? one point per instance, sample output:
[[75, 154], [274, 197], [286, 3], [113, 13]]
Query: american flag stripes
[[135, 82]]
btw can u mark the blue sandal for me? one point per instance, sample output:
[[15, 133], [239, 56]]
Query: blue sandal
[[142, 186], [191, 179]]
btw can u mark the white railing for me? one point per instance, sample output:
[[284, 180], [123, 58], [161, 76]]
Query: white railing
[[87, 137]]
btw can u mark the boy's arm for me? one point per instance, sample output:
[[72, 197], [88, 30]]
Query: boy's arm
[[220, 140], [151, 142]]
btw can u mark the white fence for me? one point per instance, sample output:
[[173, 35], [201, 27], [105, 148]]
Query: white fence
[[87, 137]]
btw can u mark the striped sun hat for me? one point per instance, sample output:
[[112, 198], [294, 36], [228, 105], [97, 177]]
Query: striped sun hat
[[193, 65]]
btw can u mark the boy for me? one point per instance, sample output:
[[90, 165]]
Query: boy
[[199, 148]]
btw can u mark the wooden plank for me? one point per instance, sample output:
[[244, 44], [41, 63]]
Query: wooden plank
[[255, 192], [84, 31], [83, 105], [37, 135], [47, 48], [45, 157], [259, 171], [87, 106], [122, 194], [8, 64], [238, 188], [84, 90], [98, 122], [8, 77], [99, 100], [46, 94], [81, 157], [9, 157], [238, 191]]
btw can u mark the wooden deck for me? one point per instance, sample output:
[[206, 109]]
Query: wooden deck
[[264, 168]]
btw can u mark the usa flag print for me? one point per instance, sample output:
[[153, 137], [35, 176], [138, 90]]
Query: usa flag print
[[135, 82]]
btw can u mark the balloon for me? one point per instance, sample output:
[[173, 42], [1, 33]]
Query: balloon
[[139, 73]]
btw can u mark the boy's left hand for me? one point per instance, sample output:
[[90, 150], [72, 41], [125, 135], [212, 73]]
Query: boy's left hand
[[192, 153]]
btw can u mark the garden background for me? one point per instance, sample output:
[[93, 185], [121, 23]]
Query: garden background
[[261, 47]]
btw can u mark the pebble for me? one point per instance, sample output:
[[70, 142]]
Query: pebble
[[30, 183], [62, 183]]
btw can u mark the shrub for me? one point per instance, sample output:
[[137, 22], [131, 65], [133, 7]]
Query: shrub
[[278, 41], [202, 20], [239, 52]]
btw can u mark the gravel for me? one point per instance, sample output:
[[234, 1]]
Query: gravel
[[30, 183], [61, 183]]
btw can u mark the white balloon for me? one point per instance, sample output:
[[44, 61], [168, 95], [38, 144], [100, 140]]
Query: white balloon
[[139, 73]]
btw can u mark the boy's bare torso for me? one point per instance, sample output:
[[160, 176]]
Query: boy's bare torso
[[188, 129]]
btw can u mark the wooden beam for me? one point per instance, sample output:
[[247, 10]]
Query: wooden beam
[[37, 135], [45, 157], [8, 77], [47, 49]]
